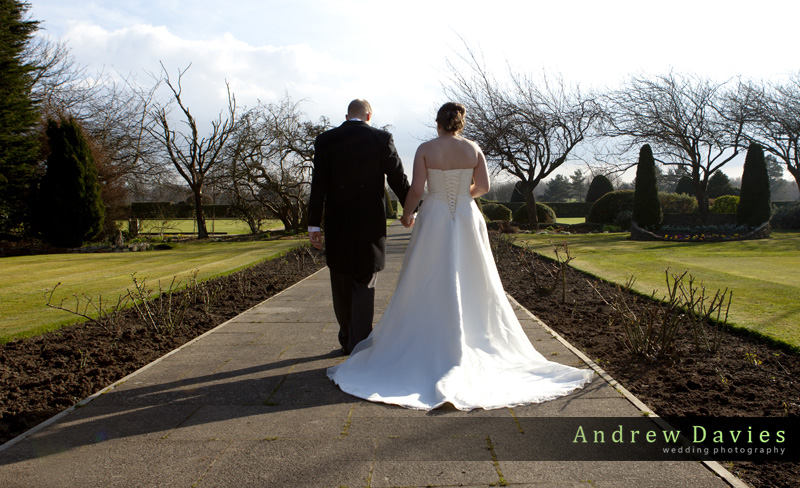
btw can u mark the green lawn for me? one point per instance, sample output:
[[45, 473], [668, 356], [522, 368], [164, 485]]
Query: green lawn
[[571, 220], [24, 279], [762, 273], [189, 226]]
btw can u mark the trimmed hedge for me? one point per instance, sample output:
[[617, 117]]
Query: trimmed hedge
[[544, 214], [726, 204], [607, 207], [496, 211], [786, 216], [151, 210], [677, 203]]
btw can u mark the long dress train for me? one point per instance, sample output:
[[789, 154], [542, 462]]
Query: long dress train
[[449, 333]]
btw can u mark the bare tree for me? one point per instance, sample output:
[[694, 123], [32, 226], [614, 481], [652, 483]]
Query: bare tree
[[61, 86], [192, 155], [113, 111], [527, 128], [691, 122], [777, 125], [271, 161]]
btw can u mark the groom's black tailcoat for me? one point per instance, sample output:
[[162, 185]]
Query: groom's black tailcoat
[[350, 162]]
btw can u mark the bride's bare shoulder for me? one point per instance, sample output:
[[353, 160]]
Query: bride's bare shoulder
[[473, 144], [427, 146]]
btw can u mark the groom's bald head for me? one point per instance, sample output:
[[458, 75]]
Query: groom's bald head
[[359, 109]]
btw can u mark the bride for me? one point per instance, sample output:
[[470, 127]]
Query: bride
[[449, 334]]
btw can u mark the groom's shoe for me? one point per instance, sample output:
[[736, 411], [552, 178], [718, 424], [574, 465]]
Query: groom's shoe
[[344, 351]]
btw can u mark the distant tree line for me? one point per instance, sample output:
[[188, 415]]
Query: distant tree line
[[97, 130]]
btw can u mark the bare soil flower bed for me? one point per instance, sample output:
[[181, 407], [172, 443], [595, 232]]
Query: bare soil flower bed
[[42, 376], [746, 378]]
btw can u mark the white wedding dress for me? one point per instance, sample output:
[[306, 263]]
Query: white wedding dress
[[449, 333]]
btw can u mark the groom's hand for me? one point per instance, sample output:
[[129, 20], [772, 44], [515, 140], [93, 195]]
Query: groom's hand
[[408, 220], [316, 239]]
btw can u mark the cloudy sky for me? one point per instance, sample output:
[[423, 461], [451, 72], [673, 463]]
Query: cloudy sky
[[394, 53]]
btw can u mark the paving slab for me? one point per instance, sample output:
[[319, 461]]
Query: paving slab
[[249, 404]]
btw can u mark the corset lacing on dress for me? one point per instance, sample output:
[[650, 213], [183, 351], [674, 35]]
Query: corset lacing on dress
[[448, 185]]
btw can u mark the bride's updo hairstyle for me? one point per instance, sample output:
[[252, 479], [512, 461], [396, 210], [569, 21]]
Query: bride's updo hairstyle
[[452, 117]]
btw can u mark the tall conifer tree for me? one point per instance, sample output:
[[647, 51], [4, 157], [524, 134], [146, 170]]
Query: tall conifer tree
[[71, 210], [646, 206], [19, 147], [754, 201]]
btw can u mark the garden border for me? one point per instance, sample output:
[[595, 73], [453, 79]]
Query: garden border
[[120, 381], [714, 466], [639, 234]]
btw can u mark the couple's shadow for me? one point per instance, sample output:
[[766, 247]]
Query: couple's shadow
[[145, 407]]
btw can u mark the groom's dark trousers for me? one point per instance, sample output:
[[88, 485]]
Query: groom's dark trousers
[[352, 164], [354, 306]]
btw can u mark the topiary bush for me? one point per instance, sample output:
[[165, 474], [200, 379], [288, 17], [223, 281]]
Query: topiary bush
[[494, 211], [676, 203], [726, 204], [544, 214], [599, 186], [685, 186], [787, 217], [754, 208], [646, 206], [607, 207]]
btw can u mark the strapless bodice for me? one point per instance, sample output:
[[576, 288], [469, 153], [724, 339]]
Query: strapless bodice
[[448, 184]]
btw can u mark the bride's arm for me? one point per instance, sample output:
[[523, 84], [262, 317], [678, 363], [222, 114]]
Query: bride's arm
[[417, 183], [480, 176]]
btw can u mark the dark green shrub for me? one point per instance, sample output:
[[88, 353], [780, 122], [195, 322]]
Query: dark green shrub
[[607, 207], [599, 186], [517, 195], [754, 207], [675, 203], [787, 217], [544, 214], [71, 210], [494, 211], [726, 204], [646, 206], [623, 220], [685, 186], [719, 184]]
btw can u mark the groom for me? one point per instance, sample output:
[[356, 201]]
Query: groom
[[350, 162]]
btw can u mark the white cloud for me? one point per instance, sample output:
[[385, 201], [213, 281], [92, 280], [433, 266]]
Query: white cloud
[[393, 53]]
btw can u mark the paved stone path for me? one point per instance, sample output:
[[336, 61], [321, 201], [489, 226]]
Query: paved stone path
[[248, 404]]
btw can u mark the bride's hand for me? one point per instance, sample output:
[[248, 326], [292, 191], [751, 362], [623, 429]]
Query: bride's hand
[[408, 220]]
